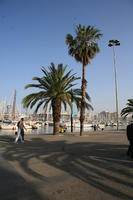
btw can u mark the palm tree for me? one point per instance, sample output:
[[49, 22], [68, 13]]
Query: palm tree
[[83, 48], [129, 109], [55, 90], [76, 98]]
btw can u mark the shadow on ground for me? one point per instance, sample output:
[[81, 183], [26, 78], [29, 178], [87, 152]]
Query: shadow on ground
[[14, 187], [100, 165]]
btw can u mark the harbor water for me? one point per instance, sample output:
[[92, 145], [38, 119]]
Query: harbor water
[[49, 130]]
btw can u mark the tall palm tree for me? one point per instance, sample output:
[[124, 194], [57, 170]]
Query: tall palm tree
[[55, 90], [129, 109], [83, 48]]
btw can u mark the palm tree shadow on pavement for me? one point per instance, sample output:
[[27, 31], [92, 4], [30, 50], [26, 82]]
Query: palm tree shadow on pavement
[[103, 166], [14, 187]]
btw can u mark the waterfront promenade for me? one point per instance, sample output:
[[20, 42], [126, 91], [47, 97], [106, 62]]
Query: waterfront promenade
[[46, 167]]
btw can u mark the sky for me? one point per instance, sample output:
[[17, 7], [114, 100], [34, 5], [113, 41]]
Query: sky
[[32, 34]]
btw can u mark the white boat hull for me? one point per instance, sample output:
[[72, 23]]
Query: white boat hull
[[8, 127]]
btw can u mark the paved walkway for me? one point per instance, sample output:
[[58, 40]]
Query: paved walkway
[[92, 167]]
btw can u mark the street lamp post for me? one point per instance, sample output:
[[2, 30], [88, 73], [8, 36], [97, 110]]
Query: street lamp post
[[113, 43], [71, 112]]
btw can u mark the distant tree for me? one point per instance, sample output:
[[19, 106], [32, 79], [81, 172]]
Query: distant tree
[[83, 48], [55, 90], [129, 109]]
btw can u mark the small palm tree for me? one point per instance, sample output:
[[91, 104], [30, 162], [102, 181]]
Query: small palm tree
[[55, 90], [129, 109], [76, 98], [83, 48]]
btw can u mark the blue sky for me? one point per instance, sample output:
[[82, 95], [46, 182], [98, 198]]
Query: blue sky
[[32, 34]]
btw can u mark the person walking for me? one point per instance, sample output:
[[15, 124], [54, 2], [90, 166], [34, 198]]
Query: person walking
[[21, 128], [130, 138]]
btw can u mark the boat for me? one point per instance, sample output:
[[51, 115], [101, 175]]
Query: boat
[[76, 124], [27, 126], [7, 121], [86, 125], [67, 123], [37, 124], [5, 126], [101, 126]]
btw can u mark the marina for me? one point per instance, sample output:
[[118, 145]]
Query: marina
[[48, 129], [42, 123]]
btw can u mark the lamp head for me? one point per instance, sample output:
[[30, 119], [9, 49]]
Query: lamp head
[[118, 43], [113, 43], [110, 45]]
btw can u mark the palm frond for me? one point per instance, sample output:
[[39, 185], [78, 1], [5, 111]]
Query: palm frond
[[127, 110], [84, 45]]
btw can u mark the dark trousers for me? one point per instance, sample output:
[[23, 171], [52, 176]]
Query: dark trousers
[[130, 149], [22, 134]]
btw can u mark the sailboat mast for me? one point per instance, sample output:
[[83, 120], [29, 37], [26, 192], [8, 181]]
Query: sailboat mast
[[14, 105]]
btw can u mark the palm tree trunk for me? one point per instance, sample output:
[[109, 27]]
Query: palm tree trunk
[[56, 106], [82, 111], [56, 128]]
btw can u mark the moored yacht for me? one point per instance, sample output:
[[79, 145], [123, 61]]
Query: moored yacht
[[5, 126]]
